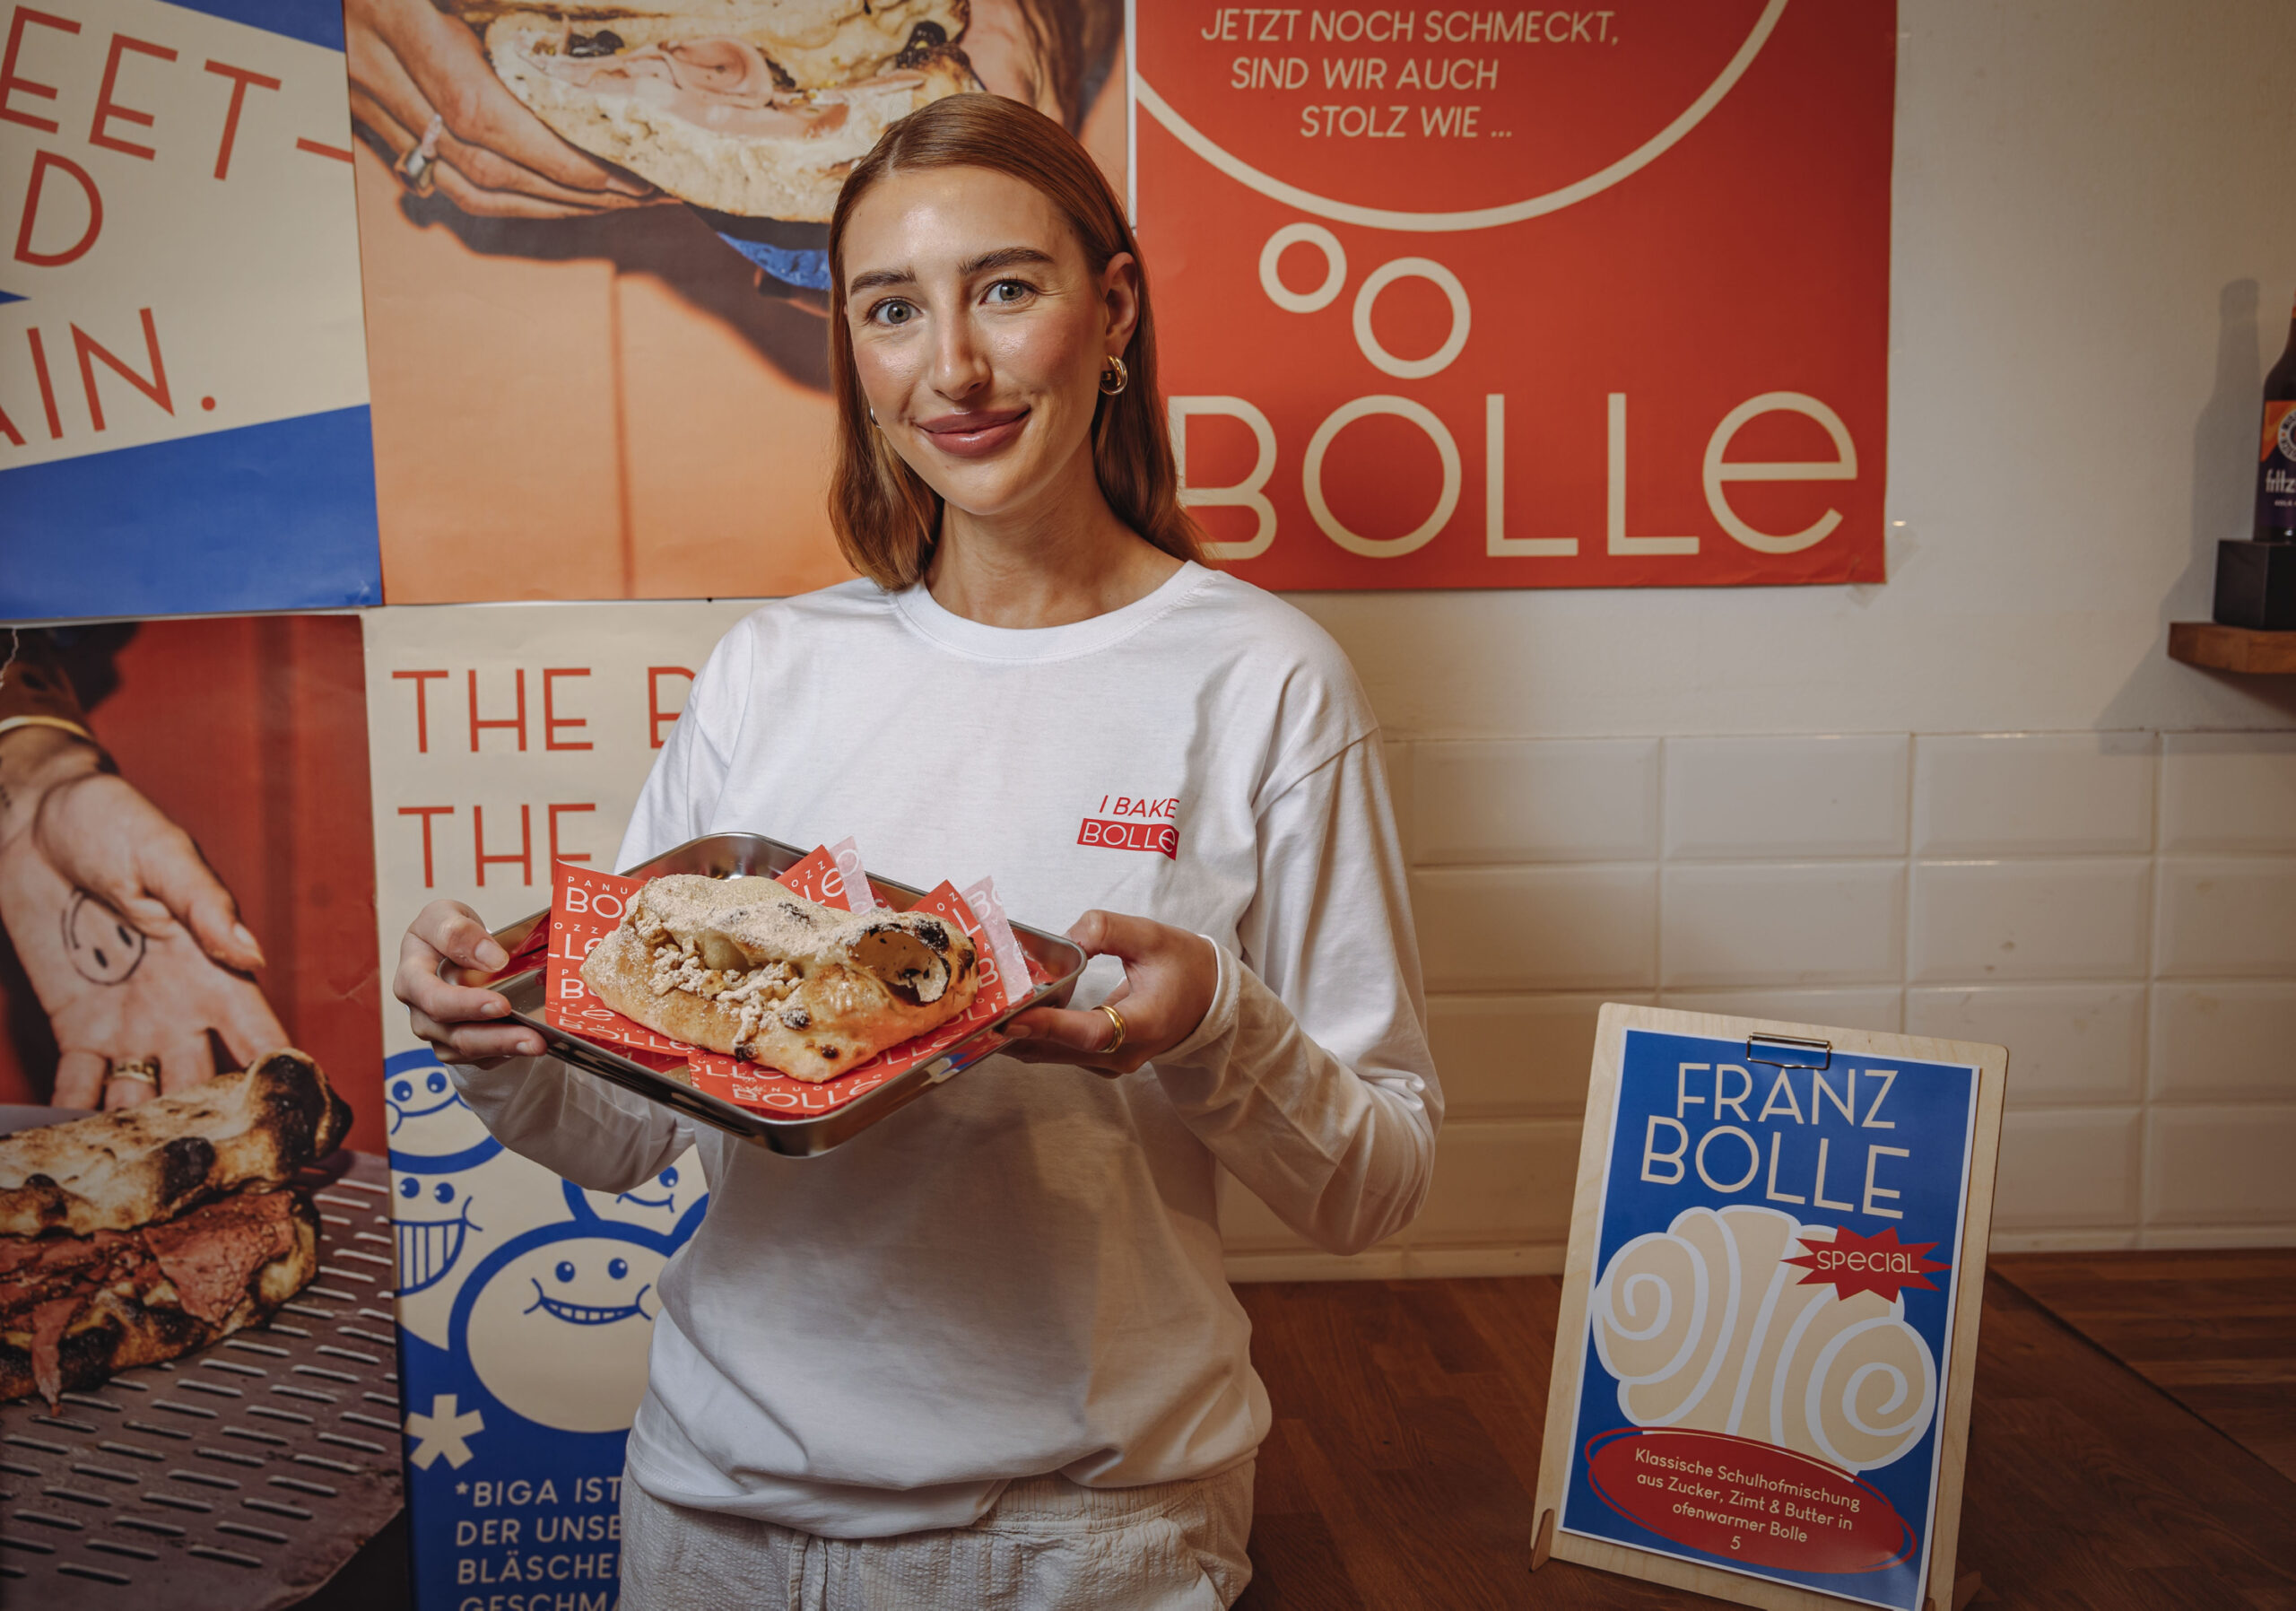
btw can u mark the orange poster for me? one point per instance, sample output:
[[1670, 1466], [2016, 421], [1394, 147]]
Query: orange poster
[[1525, 298], [598, 341]]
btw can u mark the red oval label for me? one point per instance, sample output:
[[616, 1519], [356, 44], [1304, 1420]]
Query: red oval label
[[1746, 1502]]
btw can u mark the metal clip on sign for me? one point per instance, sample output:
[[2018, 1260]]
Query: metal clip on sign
[[1789, 1045]]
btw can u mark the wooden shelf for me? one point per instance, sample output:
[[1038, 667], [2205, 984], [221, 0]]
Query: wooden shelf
[[2233, 648]]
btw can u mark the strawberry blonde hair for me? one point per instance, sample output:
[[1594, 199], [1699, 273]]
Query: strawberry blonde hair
[[886, 518]]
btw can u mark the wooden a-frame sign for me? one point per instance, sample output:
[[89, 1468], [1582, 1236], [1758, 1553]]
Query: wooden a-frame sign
[[1763, 1362]]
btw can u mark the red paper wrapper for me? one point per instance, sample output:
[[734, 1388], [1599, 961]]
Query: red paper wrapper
[[585, 905]]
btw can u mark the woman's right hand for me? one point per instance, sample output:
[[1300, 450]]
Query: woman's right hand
[[458, 1020]]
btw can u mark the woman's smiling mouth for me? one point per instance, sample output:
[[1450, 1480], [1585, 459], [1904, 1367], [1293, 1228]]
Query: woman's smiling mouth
[[975, 433]]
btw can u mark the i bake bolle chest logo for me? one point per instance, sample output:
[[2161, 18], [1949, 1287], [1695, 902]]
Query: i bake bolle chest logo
[[1129, 823]]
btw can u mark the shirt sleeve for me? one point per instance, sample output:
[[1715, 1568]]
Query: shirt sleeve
[[593, 1134], [1310, 1077]]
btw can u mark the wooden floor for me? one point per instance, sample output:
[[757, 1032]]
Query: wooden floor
[[2214, 1330], [1408, 1416]]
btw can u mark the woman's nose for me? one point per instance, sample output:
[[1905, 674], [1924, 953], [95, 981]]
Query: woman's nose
[[960, 364]]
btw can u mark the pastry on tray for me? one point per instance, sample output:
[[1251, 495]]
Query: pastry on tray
[[743, 967]]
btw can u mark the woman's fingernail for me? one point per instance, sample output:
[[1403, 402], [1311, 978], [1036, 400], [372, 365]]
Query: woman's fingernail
[[495, 1007], [490, 955], [531, 1047]]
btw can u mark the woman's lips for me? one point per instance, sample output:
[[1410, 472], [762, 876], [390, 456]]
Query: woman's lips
[[975, 435]]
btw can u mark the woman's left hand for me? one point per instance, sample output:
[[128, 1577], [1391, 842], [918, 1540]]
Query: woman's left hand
[[1169, 978]]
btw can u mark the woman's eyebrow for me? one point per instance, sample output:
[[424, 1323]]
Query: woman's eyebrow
[[1007, 257], [877, 277]]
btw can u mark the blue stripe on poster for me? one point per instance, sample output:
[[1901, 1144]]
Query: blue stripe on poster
[[313, 22], [274, 517]]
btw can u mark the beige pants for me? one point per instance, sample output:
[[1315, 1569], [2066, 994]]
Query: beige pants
[[1046, 1545]]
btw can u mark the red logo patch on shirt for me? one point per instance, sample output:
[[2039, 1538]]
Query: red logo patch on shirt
[[1125, 824]]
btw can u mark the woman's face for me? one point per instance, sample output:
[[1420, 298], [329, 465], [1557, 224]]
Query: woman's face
[[980, 333]]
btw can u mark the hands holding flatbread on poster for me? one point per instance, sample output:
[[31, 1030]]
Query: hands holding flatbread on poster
[[132, 944], [410, 62], [1170, 977]]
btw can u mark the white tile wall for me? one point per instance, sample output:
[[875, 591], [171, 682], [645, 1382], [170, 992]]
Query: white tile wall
[[1797, 798], [1979, 921], [1527, 928], [2224, 1166], [2223, 1042], [1821, 923], [2033, 794], [2066, 1169], [2229, 791], [2228, 917], [2068, 1044], [1560, 800], [2119, 909]]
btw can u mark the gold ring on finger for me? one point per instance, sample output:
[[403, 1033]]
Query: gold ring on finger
[[1117, 1019], [142, 1071]]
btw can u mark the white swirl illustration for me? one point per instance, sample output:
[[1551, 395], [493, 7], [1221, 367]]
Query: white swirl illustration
[[1706, 1327]]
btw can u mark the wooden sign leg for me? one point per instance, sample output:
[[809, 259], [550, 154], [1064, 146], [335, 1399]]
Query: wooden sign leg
[[1965, 1588], [1545, 1542]]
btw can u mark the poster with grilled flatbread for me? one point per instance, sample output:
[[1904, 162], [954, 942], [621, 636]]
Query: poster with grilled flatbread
[[141, 1235], [1767, 1336]]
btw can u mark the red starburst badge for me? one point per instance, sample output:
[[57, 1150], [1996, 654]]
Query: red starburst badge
[[1880, 1265]]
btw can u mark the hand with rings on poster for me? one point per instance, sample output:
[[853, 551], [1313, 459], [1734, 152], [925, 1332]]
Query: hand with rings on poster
[[421, 87], [1170, 977], [132, 946]]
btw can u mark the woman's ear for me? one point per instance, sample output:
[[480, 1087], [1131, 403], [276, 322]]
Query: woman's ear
[[1120, 293]]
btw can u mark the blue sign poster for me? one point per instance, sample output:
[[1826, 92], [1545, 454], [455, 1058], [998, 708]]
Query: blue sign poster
[[1769, 1313], [183, 373], [526, 1307]]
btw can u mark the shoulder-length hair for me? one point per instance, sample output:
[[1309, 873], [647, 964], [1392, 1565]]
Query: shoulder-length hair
[[886, 518]]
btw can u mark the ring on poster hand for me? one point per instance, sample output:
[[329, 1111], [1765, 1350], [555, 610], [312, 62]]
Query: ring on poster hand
[[1115, 1018], [1271, 276], [1412, 268], [140, 1071], [417, 169], [1113, 370]]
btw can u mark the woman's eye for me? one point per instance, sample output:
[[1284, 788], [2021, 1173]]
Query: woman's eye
[[893, 313], [1007, 290]]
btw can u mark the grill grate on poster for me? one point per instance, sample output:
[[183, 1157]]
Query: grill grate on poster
[[238, 1478]]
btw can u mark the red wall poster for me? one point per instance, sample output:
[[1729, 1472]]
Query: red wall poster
[[1524, 297]]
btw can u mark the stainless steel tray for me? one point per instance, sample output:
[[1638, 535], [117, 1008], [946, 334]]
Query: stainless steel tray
[[717, 856]]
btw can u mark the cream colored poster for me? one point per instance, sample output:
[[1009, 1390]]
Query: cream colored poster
[[502, 737]]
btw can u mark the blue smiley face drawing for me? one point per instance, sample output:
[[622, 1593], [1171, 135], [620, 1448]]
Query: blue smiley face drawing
[[418, 1094], [457, 1193], [665, 1185], [430, 1246], [672, 1196], [566, 1277], [560, 1331]]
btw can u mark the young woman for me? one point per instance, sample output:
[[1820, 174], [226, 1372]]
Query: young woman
[[984, 1355]]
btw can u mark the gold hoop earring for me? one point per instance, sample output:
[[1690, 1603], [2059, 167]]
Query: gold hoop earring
[[1113, 370]]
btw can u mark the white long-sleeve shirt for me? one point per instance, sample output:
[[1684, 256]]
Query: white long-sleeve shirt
[[1020, 1274]]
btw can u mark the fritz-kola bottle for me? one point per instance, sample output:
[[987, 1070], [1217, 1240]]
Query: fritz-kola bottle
[[2276, 469]]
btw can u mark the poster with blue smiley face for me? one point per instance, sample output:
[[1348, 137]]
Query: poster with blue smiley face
[[525, 1309], [455, 1191]]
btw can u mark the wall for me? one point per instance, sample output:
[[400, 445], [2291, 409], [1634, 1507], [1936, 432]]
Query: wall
[[2094, 256]]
